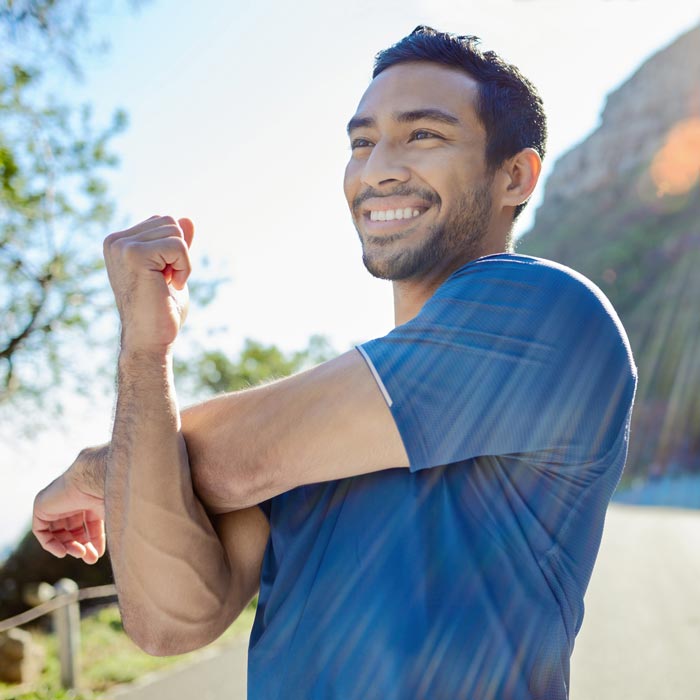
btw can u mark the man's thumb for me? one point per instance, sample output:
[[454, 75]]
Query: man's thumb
[[187, 229]]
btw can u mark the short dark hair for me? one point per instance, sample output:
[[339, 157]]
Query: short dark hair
[[509, 106]]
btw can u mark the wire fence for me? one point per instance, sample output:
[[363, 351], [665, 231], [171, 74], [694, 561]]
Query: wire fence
[[64, 607], [50, 606]]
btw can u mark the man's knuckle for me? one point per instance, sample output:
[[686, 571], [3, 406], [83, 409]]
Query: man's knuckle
[[115, 247], [130, 251]]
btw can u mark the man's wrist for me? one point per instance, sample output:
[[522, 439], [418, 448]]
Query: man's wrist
[[90, 467], [133, 356]]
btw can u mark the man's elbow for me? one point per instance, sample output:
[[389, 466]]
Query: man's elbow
[[171, 641], [154, 645], [223, 488], [220, 495]]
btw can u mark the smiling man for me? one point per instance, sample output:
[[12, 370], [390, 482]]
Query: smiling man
[[421, 515], [418, 183]]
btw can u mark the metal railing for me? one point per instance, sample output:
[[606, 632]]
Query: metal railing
[[63, 605]]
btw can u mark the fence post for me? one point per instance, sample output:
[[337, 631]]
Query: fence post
[[66, 622]]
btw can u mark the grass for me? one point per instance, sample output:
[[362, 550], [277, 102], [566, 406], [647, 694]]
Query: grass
[[107, 657]]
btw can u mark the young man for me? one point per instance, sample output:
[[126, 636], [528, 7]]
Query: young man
[[420, 515]]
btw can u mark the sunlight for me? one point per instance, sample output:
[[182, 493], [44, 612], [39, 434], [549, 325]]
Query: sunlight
[[675, 168]]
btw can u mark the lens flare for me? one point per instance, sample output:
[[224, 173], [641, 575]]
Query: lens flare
[[675, 168]]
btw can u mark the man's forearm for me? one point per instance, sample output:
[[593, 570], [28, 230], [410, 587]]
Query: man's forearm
[[90, 467], [170, 568]]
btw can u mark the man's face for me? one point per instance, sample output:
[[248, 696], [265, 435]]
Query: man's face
[[417, 183]]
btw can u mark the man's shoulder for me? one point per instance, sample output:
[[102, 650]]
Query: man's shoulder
[[526, 268], [536, 298], [529, 280]]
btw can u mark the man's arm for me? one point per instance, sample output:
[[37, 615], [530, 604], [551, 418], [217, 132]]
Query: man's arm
[[171, 571], [179, 586], [329, 422], [69, 519]]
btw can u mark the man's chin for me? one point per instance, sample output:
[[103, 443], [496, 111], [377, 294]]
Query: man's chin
[[394, 268]]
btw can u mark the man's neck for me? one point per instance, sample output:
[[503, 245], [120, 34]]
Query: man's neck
[[410, 295]]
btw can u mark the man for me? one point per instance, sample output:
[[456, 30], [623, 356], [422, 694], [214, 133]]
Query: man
[[420, 515]]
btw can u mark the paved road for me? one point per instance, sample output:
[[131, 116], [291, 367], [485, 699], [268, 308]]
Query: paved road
[[640, 638], [641, 634], [214, 674]]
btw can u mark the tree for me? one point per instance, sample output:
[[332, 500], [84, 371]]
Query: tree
[[53, 199], [213, 372]]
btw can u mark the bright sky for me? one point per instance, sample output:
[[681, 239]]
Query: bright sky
[[237, 120]]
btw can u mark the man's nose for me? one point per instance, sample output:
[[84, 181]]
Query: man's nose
[[384, 166]]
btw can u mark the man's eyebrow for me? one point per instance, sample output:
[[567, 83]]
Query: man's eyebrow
[[360, 123], [433, 114], [413, 115]]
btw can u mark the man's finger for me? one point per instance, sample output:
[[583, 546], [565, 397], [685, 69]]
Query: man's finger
[[155, 232], [187, 230], [149, 224], [163, 231], [91, 555], [167, 254], [52, 546]]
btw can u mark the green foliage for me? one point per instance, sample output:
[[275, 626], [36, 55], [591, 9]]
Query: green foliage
[[54, 206], [213, 372], [33, 30], [108, 657]]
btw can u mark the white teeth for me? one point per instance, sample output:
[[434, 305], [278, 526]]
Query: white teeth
[[391, 214]]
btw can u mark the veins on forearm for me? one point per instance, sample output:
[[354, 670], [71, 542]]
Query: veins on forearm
[[153, 515]]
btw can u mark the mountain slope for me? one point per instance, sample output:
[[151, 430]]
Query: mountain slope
[[623, 208]]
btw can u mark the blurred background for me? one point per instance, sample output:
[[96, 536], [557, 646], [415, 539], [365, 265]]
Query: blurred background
[[234, 114]]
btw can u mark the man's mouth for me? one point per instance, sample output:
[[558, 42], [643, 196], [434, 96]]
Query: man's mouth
[[393, 211], [393, 214]]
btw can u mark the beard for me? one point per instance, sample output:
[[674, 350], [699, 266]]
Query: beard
[[457, 239]]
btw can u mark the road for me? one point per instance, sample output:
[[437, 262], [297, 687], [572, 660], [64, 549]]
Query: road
[[218, 673], [640, 638], [641, 633]]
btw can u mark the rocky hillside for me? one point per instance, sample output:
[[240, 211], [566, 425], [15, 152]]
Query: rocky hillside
[[623, 207]]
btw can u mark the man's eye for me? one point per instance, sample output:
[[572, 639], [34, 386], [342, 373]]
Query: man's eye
[[360, 143], [421, 135]]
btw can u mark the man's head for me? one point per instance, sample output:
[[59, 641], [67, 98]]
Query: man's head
[[446, 148]]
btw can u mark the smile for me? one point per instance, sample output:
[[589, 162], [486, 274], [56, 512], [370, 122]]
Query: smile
[[393, 214]]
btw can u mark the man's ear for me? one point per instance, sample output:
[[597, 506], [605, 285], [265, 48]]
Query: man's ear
[[520, 175]]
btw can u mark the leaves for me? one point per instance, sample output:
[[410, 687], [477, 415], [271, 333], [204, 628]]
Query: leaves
[[213, 372], [54, 203]]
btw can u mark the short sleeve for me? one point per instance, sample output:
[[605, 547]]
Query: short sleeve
[[511, 354]]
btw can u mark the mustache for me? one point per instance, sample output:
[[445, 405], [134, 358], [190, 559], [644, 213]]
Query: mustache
[[428, 196]]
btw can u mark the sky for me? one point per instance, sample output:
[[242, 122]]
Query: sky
[[237, 116]]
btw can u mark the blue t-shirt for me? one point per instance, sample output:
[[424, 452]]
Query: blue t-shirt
[[463, 576]]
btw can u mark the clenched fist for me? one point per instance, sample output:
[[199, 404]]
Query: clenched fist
[[148, 266]]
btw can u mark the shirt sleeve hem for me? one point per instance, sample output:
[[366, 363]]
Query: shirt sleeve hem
[[375, 374], [413, 441]]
